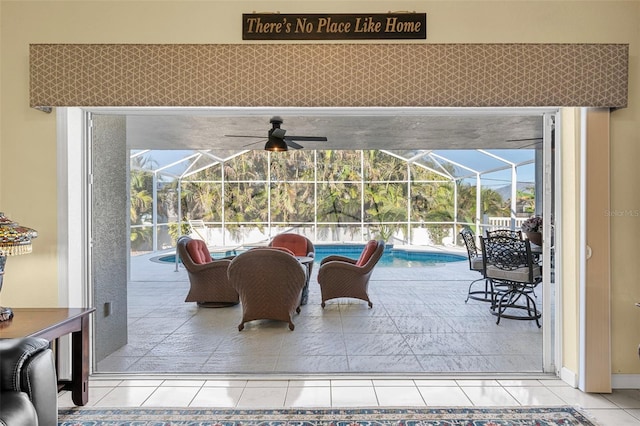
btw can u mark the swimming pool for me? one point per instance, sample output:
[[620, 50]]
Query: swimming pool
[[392, 257]]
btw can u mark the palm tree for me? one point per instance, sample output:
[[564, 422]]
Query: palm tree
[[336, 189], [492, 203], [140, 195], [526, 200], [140, 202], [385, 202], [440, 209], [339, 191], [387, 205], [292, 195]]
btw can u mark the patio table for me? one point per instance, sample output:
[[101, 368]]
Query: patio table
[[305, 260]]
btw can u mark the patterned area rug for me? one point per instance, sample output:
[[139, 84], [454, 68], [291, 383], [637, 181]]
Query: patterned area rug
[[554, 416]]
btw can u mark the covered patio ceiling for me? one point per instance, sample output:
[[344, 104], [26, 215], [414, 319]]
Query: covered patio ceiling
[[345, 128], [467, 140]]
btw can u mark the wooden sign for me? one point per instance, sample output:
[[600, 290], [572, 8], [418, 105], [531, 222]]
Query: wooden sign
[[281, 26]]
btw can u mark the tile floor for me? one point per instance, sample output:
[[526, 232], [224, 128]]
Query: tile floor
[[620, 408]]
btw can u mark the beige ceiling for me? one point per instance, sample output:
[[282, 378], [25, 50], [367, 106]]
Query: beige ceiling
[[395, 129]]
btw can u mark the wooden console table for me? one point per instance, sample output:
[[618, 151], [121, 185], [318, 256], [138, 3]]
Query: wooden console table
[[50, 324]]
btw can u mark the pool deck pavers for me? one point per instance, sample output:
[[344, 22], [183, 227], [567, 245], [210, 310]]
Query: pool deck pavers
[[419, 325]]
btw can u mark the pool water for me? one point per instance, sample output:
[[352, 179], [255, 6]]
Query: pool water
[[392, 257]]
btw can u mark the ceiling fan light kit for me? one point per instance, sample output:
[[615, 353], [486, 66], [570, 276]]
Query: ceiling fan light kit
[[275, 144]]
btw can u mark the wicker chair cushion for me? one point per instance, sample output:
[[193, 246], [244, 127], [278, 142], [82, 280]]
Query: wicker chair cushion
[[284, 249], [367, 252], [198, 251], [294, 242]]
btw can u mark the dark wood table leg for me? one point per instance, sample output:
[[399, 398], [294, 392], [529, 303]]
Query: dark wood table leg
[[80, 363]]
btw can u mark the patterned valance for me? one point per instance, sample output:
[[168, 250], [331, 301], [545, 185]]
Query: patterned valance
[[312, 75]]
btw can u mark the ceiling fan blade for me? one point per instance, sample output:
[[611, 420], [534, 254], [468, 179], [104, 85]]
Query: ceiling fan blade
[[252, 143], [244, 136], [524, 140], [306, 138], [539, 143], [278, 133], [292, 144]]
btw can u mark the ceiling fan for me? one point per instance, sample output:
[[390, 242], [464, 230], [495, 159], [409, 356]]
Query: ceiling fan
[[277, 140]]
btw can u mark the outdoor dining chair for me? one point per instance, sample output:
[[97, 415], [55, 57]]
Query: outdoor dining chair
[[476, 263], [508, 262], [504, 233]]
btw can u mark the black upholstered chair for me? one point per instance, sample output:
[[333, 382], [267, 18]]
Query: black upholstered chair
[[508, 263], [28, 383]]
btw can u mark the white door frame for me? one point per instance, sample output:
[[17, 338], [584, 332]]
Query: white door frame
[[551, 343], [73, 136]]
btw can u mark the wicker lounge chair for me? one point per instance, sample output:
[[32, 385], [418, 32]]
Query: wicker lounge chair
[[341, 276], [298, 244], [210, 286], [269, 282]]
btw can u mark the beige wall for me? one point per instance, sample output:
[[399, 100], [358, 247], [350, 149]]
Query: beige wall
[[27, 137]]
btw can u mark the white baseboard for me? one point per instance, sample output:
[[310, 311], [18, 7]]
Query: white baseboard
[[625, 381], [618, 381], [569, 377]]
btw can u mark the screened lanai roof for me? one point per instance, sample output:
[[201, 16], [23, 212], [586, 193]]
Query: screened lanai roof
[[450, 164]]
